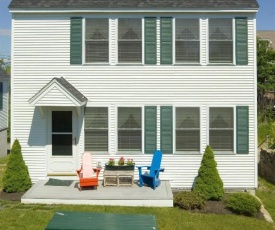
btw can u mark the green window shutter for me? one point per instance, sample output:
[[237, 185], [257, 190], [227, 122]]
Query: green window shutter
[[76, 41], [241, 41], [242, 131], [150, 41], [166, 129], [150, 134], [1, 95], [166, 41]]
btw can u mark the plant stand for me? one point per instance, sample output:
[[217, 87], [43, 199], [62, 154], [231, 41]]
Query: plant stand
[[118, 178]]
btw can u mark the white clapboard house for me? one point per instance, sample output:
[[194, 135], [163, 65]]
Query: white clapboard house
[[125, 77], [4, 99]]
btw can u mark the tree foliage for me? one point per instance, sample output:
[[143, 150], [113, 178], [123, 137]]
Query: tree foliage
[[208, 182], [265, 79], [16, 177]]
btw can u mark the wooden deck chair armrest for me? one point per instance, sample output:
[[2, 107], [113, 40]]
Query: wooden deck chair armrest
[[97, 171]]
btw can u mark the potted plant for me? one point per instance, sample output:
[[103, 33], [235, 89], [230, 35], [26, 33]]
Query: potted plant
[[122, 164]]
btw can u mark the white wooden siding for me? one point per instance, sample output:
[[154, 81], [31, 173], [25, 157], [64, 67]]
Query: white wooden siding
[[41, 51]]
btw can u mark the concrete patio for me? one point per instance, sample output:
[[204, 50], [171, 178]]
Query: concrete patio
[[109, 195]]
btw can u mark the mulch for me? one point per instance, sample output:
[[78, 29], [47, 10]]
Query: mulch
[[15, 196]]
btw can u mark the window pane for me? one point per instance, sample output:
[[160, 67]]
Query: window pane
[[96, 129], [129, 129], [129, 140], [220, 41], [187, 140], [187, 129], [61, 121], [96, 140], [221, 133], [187, 40], [129, 40], [97, 40], [62, 145]]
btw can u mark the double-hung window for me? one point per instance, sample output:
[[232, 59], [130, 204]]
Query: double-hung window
[[221, 130], [220, 40], [96, 129], [187, 129], [129, 129], [187, 41], [129, 40], [97, 40]]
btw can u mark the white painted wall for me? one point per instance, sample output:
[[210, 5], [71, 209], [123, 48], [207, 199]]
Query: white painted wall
[[41, 51]]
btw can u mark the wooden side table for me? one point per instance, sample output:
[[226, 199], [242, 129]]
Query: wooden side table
[[117, 176]]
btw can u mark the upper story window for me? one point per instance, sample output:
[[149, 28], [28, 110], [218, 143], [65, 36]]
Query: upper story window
[[129, 40], [220, 40], [221, 132], [97, 40], [187, 41]]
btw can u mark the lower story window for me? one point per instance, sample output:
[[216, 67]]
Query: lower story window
[[221, 132], [129, 129], [187, 129], [96, 129]]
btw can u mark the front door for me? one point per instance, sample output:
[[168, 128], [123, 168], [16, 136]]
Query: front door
[[62, 151]]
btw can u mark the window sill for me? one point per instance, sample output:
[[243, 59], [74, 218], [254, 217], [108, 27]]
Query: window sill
[[128, 153], [223, 152], [188, 153], [96, 64], [187, 64], [129, 64], [221, 64], [97, 152]]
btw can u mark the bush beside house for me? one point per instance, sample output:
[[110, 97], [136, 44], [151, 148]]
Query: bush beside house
[[208, 182], [16, 177]]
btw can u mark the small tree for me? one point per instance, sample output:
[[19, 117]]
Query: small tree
[[208, 182], [16, 177]]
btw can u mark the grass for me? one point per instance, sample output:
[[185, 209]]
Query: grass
[[14, 215], [266, 193], [3, 162]]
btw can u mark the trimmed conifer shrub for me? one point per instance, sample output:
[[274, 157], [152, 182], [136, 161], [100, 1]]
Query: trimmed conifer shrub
[[16, 177], [189, 200], [243, 203], [208, 182]]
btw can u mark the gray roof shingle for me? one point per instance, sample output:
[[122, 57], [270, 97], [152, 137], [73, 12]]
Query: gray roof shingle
[[68, 86], [128, 4]]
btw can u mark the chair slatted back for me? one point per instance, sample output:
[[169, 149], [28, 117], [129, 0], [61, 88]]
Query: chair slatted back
[[156, 162]]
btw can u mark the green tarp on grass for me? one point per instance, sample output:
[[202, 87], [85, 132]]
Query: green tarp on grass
[[101, 221]]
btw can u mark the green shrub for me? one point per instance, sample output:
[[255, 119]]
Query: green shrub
[[16, 176], [243, 203], [208, 182], [189, 200]]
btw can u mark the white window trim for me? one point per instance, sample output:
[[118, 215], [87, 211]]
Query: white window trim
[[84, 43], [174, 43], [233, 42], [234, 127], [109, 133], [142, 42], [174, 131], [142, 131]]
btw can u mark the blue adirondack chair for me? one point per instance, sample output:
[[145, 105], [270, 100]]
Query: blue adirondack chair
[[151, 178]]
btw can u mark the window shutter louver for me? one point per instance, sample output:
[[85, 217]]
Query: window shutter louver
[[76, 41], [166, 41], [242, 129], [241, 41], [150, 134], [150, 41], [166, 130]]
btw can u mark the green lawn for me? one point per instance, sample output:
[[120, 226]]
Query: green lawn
[[14, 215]]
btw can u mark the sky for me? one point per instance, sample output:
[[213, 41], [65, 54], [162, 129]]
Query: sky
[[265, 21]]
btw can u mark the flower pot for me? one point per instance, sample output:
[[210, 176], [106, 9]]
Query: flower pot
[[120, 167]]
